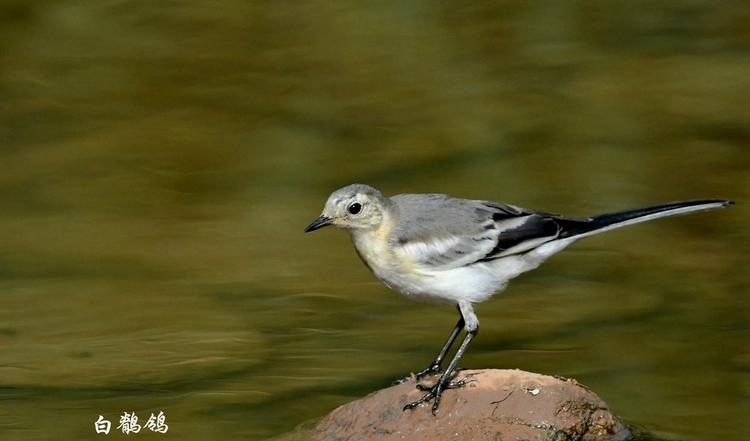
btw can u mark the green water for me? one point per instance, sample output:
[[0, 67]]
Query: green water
[[161, 159]]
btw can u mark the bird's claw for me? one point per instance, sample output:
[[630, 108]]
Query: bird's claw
[[429, 370], [435, 391]]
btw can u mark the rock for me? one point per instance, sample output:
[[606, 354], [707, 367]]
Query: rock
[[495, 405]]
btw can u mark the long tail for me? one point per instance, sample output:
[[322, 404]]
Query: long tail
[[605, 222]]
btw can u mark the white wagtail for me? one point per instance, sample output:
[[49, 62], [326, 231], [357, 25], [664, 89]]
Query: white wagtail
[[438, 248]]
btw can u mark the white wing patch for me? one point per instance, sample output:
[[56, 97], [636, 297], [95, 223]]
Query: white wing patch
[[421, 250], [445, 252]]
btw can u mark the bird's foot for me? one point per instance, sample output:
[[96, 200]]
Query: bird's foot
[[435, 391], [432, 369]]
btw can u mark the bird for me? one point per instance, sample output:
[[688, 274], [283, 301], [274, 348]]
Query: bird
[[434, 247]]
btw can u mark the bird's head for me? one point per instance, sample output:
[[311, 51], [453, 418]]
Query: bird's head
[[354, 207]]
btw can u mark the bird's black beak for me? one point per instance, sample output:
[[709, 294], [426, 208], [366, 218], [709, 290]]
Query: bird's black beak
[[320, 222]]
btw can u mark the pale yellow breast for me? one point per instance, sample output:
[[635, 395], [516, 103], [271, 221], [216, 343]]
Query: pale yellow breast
[[387, 264], [372, 246]]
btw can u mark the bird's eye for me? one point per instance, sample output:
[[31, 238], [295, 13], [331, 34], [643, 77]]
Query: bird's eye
[[354, 208]]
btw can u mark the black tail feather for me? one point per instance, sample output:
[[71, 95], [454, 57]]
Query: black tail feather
[[573, 227]]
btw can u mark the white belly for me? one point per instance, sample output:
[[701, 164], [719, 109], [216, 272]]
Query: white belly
[[472, 283]]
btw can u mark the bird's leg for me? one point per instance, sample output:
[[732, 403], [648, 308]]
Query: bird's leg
[[434, 367], [445, 381]]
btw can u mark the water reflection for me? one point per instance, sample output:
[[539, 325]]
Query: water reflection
[[162, 160]]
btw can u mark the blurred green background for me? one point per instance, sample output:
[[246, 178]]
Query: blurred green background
[[161, 158]]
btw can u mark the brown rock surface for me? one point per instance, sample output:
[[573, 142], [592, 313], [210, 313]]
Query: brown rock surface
[[496, 405]]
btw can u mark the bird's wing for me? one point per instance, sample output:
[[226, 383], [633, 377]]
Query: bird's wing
[[438, 232]]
